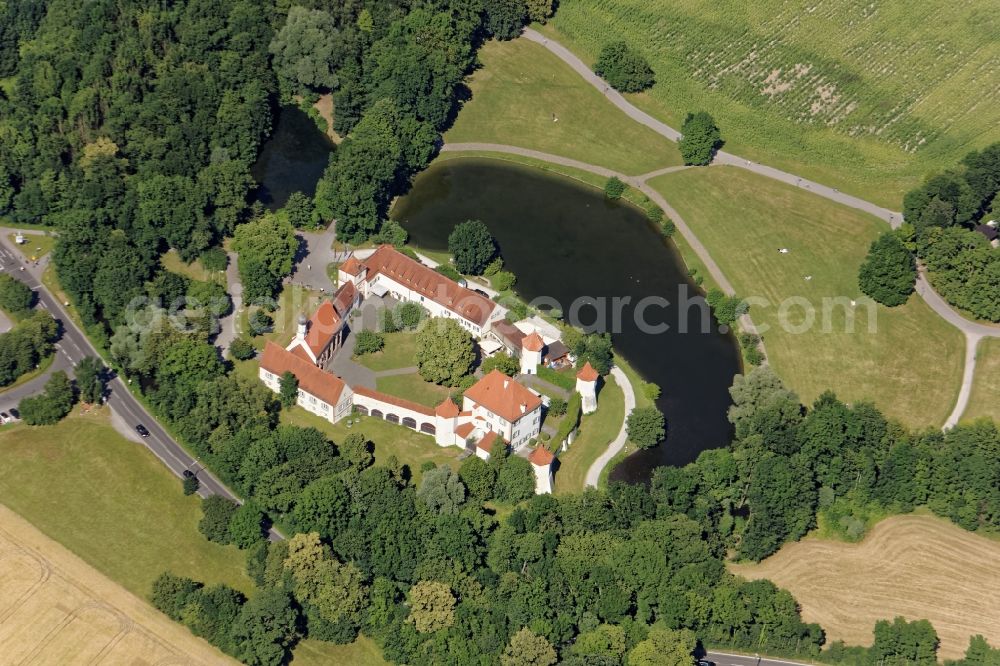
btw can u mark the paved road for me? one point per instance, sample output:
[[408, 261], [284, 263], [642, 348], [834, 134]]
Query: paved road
[[729, 659], [74, 346], [227, 324], [616, 445], [315, 255]]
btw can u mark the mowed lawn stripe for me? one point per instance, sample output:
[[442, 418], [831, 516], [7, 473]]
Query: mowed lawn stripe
[[910, 366]]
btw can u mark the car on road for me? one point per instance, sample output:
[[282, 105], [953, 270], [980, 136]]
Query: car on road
[[188, 474], [705, 662], [481, 292], [141, 429]]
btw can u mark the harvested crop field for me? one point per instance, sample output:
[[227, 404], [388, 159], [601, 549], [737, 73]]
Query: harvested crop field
[[914, 566], [56, 609]]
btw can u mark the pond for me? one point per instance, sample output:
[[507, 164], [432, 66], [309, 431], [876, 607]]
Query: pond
[[292, 159], [564, 240]]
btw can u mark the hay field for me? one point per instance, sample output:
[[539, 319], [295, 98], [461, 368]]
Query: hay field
[[916, 566], [56, 609], [871, 94]]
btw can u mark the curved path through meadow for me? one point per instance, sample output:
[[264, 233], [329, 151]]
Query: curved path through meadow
[[616, 445], [972, 330]]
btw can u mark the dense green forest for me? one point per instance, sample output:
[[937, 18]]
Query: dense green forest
[[941, 217], [132, 126]]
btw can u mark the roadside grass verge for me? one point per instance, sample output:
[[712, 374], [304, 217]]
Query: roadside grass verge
[[525, 96], [111, 502], [35, 246], [910, 366]]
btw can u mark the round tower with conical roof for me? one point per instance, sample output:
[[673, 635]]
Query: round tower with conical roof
[[531, 353], [586, 386]]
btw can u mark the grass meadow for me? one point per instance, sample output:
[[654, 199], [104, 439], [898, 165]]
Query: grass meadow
[[862, 96], [525, 96], [910, 366], [985, 398]]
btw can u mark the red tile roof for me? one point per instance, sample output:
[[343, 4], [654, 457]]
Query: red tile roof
[[541, 456], [510, 333], [352, 266], [328, 319], [388, 261], [323, 385], [464, 430], [393, 400], [447, 409], [299, 350], [343, 299], [503, 396], [486, 443], [587, 373], [533, 342]]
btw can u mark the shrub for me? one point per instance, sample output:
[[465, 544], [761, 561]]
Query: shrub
[[191, 484], [669, 228], [409, 315], [217, 512], [557, 406], [52, 405], [494, 267], [515, 480], [889, 272], [700, 138], [654, 213], [623, 67], [473, 247], [614, 188], [448, 271], [566, 382], [15, 296], [246, 526], [242, 349], [645, 426], [260, 322], [651, 390], [505, 363], [368, 342], [753, 355], [505, 18], [516, 311], [568, 424], [503, 280], [391, 232], [214, 259], [387, 321]]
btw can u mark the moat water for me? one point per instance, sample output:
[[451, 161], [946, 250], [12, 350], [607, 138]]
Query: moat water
[[292, 159], [564, 240]]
